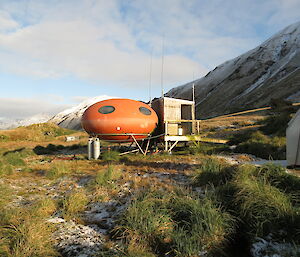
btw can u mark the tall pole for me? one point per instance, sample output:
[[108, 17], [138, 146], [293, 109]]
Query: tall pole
[[193, 88], [194, 92], [150, 77], [162, 67]]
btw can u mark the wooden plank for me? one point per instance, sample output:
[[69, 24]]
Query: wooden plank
[[213, 140], [195, 138]]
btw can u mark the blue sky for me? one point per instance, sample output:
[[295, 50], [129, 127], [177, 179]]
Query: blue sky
[[56, 53]]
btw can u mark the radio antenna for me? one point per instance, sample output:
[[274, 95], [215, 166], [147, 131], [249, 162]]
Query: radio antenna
[[193, 88], [150, 77], [162, 66]]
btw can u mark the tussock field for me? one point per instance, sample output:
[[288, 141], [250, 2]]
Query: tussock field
[[55, 202]]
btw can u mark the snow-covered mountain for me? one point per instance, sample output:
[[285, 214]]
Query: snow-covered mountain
[[13, 123], [71, 118], [269, 71]]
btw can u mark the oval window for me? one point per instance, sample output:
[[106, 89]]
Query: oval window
[[145, 111], [106, 109]]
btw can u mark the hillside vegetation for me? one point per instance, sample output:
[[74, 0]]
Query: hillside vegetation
[[35, 133], [55, 202]]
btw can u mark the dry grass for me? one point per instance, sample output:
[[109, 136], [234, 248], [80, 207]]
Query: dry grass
[[74, 203], [23, 231], [173, 217]]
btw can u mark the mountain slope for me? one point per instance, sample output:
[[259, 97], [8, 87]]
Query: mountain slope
[[14, 123], [71, 118], [271, 70]]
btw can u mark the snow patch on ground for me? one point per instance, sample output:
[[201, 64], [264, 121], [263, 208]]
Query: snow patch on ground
[[74, 240], [269, 248]]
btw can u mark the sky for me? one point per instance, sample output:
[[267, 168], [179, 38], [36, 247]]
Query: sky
[[56, 53]]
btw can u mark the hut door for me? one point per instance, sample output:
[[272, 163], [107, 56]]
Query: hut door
[[186, 114]]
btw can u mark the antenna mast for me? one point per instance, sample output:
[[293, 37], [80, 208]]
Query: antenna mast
[[162, 67], [150, 75], [194, 92], [193, 88]]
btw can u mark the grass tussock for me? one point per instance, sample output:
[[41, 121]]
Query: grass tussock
[[262, 145], [58, 169], [74, 203], [204, 148], [4, 138], [6, 169], [278, 177], [24, 232], [107, 176], [110, 156], [26, 236], [212, 172], [264, 200], [276, 124], [263, 208], [45, 207], [177, 223], [269, 141], [11, 160]]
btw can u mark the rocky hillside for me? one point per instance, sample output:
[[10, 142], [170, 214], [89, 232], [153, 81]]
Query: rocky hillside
[[71, 118], [269, 71]]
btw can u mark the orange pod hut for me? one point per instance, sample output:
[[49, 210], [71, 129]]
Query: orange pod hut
[[114, 119]]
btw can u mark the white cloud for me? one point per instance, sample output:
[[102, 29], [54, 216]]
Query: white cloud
[[54, 49], [26, 107], [79, 99], [6, 22], [287, 11], [110, 41]]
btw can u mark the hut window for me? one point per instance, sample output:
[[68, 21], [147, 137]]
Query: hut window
[[145, 111], [106, 109]]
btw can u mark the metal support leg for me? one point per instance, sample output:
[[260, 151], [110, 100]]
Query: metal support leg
[[90, 148], [147, 146], [138, 145], [173, 146]]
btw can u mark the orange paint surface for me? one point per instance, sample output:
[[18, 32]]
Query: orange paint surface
[[123, 116]]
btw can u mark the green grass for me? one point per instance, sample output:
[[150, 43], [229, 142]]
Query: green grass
[[107, 176], [36, 133], [4, 138], [6, 195], [177, 223], [74, 203], [49, 149], [277, 176], [212, 172], [263, 146], [50, 129], [10, 160], [5, 169], [44, 207], [26, 236], [24, 232], [58, 169], [262, 199], [110, 156], [268, 142], [276, 124], [263, 207]]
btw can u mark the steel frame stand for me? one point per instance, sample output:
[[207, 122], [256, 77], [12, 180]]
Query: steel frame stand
[[139, 146]]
